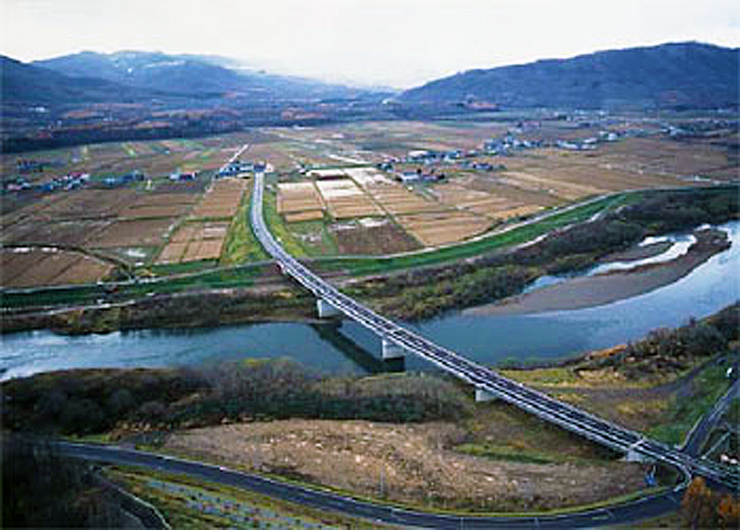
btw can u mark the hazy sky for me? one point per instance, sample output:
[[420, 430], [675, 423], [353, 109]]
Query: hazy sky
[[392, 42]]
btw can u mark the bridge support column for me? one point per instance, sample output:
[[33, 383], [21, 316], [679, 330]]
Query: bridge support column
[[482, 395], [326, 310], [635, 456], [391, 350]]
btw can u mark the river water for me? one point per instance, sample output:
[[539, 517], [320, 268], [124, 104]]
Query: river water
[[349, 348]]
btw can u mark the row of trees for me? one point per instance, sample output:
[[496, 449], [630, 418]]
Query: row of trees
[[43, 490], [95, 401]]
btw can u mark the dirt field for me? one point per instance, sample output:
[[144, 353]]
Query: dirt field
[[373, 237], [195, 241], [30, 267], [299, 198], [222, 199], [413, 462], [442, 228], [396, 199], [159, 205], [482, 203], [312, 215], [136, 233]]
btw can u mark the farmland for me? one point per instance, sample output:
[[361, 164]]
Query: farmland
[[28, 267], [333, 190], [87, 231]]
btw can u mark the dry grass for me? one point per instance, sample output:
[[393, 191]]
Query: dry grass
[[136, 233], [195, 241], [46, 267], [299, 197], [407, 463], [396, 200], [441, 228], [222, 199]]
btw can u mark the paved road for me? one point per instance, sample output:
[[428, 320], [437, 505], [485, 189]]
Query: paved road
[[482, 378], [623, 514], [706, 424]]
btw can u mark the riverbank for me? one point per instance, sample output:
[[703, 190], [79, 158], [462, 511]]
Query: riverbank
[[591, 291], [182, 310]]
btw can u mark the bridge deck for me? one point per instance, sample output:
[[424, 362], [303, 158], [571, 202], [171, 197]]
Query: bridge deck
[[549, 409]]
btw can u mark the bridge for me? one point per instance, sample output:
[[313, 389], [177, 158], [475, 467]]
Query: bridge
[[488, 384]]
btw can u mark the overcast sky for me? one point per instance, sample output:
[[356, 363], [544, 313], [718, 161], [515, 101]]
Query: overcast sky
[[397, 43]]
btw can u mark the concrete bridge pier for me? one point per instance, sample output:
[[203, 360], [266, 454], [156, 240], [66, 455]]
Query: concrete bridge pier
[[635, 456], [391, 350], [482, 395], [326, 310]]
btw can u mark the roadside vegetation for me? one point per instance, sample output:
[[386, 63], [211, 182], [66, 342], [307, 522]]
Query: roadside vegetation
[[241, 246], [192, 504]]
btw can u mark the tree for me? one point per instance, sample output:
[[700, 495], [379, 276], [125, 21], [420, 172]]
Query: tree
[[697, 506], [728, 512]]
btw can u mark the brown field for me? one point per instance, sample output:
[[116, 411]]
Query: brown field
[[442, 228], [195, 241], [659, 157], [312, 215], [142, 212], [370, 237], [63, 233], [172, 253], [40, 266], [396, 199], [413, 462], [222, 199], [135, 233], [87, 204], [344, 200], [482, 203], [517, 211], [295, 197]]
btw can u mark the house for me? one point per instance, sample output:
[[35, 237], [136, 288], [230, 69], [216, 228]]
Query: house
[[408, 177]]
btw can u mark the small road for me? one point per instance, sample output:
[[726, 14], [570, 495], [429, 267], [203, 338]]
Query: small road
[[699, 434], [644, 508]]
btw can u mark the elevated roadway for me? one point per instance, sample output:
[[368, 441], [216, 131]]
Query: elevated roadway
[[486, 381]]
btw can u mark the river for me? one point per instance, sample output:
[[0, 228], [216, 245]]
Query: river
[[349, 348]]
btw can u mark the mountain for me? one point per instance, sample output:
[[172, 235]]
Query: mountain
[[686, 74], [192, 75], [27, 83], [148, 70]]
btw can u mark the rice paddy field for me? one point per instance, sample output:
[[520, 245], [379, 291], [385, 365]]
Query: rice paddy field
[[328, 195]]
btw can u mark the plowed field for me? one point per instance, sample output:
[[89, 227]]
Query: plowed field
[[441, 228], [222, 199], [43, 266]]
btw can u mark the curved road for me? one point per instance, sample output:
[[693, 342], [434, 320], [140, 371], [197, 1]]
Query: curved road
[[644, 508]]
